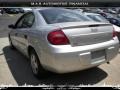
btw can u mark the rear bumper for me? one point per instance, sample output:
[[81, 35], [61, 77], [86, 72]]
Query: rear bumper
[[64, 59]]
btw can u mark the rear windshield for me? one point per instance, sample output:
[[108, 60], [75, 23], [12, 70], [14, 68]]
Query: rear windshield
[[52, 16]]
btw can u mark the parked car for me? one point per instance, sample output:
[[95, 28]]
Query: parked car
[[112, 11], [26, 9], [113, 19], [0, 12], [103, 14], [21, 10], [62, 41], [11, 10], [96, 17], [99, 18]]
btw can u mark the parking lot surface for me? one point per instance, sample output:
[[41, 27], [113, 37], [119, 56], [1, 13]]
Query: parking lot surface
[[15, 68]]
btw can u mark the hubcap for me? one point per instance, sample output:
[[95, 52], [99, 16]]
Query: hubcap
[[34, 64]]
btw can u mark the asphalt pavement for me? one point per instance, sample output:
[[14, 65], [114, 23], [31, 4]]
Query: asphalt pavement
[[6, 20], [15, 68]]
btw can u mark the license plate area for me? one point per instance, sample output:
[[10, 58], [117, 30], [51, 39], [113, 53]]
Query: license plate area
[[98, 56]]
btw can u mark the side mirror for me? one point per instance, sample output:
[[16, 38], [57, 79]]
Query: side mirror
[[11, 26]]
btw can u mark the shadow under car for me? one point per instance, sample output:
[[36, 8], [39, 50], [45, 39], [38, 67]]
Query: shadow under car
[[20, 68]]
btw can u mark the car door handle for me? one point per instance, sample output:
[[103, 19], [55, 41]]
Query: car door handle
[[25, 36]]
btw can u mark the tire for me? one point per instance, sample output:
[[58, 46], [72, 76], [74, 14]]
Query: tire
[[36, 67], [11, 45]]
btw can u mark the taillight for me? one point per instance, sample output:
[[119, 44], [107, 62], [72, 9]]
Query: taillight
[[114, 33], [57, 37]]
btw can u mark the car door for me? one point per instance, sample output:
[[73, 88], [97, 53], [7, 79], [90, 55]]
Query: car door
[[23, 29], [14, 32]]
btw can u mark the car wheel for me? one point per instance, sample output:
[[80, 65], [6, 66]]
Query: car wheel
[[11, 45], [36, 67]]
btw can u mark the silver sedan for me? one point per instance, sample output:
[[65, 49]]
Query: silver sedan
[[62, 41]]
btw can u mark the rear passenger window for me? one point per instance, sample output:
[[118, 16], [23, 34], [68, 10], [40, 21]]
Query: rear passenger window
[[26, 21]]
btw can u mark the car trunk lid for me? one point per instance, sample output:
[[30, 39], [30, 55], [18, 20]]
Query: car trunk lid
[[86, 33]]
